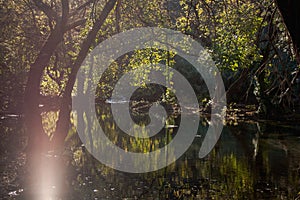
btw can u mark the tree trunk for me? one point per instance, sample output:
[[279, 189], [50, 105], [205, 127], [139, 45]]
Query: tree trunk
[[63, 123], [33, 122], [289, 10], [235, 92]]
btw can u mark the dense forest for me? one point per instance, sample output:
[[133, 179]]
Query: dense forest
[[43, 44]]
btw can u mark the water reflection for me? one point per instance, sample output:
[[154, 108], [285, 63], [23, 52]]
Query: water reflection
[[250, 161]]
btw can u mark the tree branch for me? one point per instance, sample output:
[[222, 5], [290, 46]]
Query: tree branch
[[75, 24], [51, 14], [81, 7], [61, 125], [65, 12]]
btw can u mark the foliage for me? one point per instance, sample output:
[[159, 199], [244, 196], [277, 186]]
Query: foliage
[[234, 44], [247, 40], [16, 52]]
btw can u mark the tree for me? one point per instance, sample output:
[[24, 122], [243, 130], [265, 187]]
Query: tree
[[229, 29], [61, 21], [289, 10]]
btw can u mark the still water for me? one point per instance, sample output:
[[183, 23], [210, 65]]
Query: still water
[[252, 160]]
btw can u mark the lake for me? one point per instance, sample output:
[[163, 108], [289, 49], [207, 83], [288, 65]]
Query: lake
[[251, 160]]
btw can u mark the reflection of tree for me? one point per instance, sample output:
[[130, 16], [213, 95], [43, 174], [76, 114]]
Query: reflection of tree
[[126, 141], [229, 172]]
